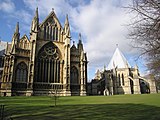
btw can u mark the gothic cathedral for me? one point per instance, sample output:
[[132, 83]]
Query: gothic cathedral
[[44, 64]]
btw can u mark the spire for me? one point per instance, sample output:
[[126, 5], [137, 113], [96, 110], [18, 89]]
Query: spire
[[37, 13], [16, 34], [66, 27], [80, 45], [17, 28], [118, 61], [104, 67], [136, 67], [66, 21], [35, 22], [80, 38], [15, 38], [74, 43]]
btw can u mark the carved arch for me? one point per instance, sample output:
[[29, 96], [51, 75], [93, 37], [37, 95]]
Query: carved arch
[[49, 51], [49, 64]]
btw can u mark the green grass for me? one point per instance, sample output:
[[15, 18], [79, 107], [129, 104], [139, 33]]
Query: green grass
[[118, 107]]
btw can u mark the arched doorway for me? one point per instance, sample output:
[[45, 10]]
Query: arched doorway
[[75, 85], [49, 65], [19, 85]]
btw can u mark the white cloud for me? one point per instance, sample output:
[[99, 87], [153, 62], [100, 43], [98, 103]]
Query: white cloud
[[7, 6], [61, 7], [17, 15], [103, 25], [100, 22]]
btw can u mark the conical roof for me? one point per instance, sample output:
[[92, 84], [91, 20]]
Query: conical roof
[[118, 61]]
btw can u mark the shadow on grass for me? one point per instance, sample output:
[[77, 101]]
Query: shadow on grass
[[85, 112]]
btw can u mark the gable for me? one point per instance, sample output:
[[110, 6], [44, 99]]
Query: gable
[[24, 39], [51, 20], [51, 29]]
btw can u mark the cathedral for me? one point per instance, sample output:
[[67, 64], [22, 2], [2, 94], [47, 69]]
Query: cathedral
[[45, 63], [120, 78]]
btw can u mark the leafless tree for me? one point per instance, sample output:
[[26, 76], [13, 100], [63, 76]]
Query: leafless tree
[[145, 32], [54, 93]]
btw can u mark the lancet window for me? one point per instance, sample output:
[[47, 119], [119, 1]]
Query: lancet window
[[21, 72], [74, 75], [51, 31], [119, 79]]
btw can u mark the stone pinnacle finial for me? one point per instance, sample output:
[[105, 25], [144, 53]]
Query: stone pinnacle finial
[[80, 37], [117, 45], [17, 28], [66, 21], [136, 66], [104, 67], [37, 12], [52, 9]]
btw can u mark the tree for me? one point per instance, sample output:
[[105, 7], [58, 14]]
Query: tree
[[54, 92], [145, 32]]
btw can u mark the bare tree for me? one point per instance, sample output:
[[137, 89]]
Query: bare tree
[[145, 32], [55, 94]]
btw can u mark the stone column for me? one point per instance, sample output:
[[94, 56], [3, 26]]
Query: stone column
[[66, 71]]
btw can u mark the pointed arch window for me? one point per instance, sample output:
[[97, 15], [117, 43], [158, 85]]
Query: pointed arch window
[[119, 79], [49, 64], [122, 79], [21, 72], [74, 75]]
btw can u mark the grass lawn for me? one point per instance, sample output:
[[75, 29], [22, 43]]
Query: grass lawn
[[118, 107]]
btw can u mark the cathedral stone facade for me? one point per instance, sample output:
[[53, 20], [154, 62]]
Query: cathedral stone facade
[[45, 63], [120, 78]]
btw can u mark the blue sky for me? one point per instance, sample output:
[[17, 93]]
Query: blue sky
[[102, 24]]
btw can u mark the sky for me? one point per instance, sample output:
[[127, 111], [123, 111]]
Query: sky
[[102, 24]]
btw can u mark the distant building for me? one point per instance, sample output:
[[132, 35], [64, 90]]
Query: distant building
[[120, 78], [2, 52], [45, 63]]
